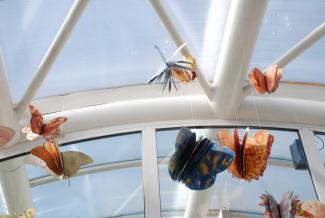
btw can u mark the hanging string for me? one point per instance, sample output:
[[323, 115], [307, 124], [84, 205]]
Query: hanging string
[[322, 141]]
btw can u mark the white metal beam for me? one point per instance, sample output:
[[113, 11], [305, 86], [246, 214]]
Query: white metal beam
[[150, 173], [294, 52], [178, 40], [14, 185], [51, 54], [242, 28]]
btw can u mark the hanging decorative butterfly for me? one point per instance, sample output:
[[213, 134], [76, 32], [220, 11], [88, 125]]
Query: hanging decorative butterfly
[[184, 71], [29, 213], [197, 162], [37, 126], [6, 134], [267, 82], [251, 154], [286, 208], [62, 164], [311, 209]]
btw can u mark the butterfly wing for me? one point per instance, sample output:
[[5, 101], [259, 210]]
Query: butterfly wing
[[6, 134], [272, 77], [257, 79], [42, 152], [257, 152], [312, 209], [73, 160], [29, 133], [270, 205], [53, 150], [228, 140], [286, 205], [36, 120], [52, 128]]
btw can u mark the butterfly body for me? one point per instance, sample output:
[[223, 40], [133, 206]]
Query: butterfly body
[[184, 71], [286, 208], [267, 82], [251, 153], [37, 126], [61, 164], [197, 162]]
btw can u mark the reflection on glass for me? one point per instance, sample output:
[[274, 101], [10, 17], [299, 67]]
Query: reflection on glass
[[320, 138], [114, 193], [279, 177], [126, 147]]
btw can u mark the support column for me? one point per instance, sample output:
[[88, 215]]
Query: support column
[[15, 191], [197, 204], [14, 185]]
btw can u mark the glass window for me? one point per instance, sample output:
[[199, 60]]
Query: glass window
[[320, 138], [114, 193], [285, 24], [279, 177], [126, 147]]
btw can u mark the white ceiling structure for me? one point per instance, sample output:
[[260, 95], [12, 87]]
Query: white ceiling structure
[[88, 76]]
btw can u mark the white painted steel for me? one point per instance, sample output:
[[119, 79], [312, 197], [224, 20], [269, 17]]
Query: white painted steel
[[294, 52], [197, 203], [178, 39], [150, 173], [15, 189], [51, 54], [14, 185], [242, 28], [315, 162]]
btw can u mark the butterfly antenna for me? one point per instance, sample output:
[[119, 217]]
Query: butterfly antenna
[[161, 54], [178, 50]]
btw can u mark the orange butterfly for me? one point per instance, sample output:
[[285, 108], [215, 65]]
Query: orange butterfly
[[57, 163], [251, 153], [6, 134], [267, 82], [311, 209], [37, 126]]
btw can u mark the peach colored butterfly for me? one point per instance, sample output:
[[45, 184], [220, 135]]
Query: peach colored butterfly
[[267, 82], [311, 209], [251, 153], [37, 126], [61, 164], [6, 134]]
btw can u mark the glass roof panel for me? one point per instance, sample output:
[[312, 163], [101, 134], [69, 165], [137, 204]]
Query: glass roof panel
[[111, 45], [105, 194], [27, 29], [126, 147], [285, 24]]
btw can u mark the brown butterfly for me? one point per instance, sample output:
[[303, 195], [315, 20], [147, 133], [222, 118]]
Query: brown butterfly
[[267, 82], [6, 134], [62, 164], [251, 153], [37, 126]]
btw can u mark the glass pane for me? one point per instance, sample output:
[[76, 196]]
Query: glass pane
[[230, 192], [320, 138], [285, 24], [126, 147], [107, 194]]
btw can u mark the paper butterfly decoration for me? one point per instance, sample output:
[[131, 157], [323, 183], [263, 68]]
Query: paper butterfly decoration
[[286, 208], [197, 162], [267, 82], [6, 134], [311, 209], [29, 213], [184, 71], [62, 164], [251, 153], [37, 126]]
